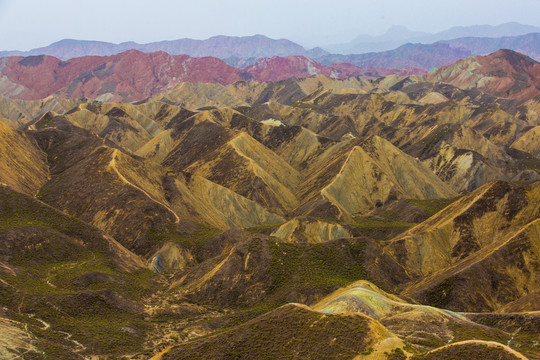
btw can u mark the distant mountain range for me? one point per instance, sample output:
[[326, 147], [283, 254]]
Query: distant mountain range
[[223, 47], [400, 35], [417, 55], [528, 44], [429, 56], [402, 48]]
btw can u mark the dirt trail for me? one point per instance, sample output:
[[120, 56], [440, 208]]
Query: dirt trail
[[112, 165], [68, 337], [46, 325], [512, 337], [485, 343]]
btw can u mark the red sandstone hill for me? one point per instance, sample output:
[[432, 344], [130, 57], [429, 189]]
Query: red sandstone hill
[[131, 75], [134, 75], [505, 73], [281, 68]]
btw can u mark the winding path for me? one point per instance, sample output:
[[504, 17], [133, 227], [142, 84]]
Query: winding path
[[112, 165], [485, 343]]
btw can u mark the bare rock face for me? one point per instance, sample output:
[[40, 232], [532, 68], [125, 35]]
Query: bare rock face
[[15, 340], [508, 267], [18, 113], [171, 257], [310, 230], [464, 170], [473, 349], [525, 304], [240, 269], [385, 322], [277, 68], [527, 176], [239, 275], [134, 75]]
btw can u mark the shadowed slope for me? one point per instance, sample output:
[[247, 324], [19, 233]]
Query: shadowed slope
[[469, 224]]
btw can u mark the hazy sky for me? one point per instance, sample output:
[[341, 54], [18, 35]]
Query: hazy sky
[[26, 24]]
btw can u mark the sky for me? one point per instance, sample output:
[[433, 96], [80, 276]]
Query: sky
[[27, 24]]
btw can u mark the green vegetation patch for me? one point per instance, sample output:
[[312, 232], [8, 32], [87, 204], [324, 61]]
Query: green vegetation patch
[[65, 275], [290, 332], [464, 331], [300, 272], [46, 121], [524, 160], [243, 109], [329, 219], [108, 332], [432, 206], [378, 227], [396, 354], [373, 223], [318, 266], [440, 295], [102, 316], [19, 211], [526, 342], [530, 163]]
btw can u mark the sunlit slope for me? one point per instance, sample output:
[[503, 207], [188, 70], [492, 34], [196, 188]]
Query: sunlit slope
[[370, 173], [23, 165]]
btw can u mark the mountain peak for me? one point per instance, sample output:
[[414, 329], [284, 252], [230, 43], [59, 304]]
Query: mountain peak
[[510, 54], [504, 73]]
